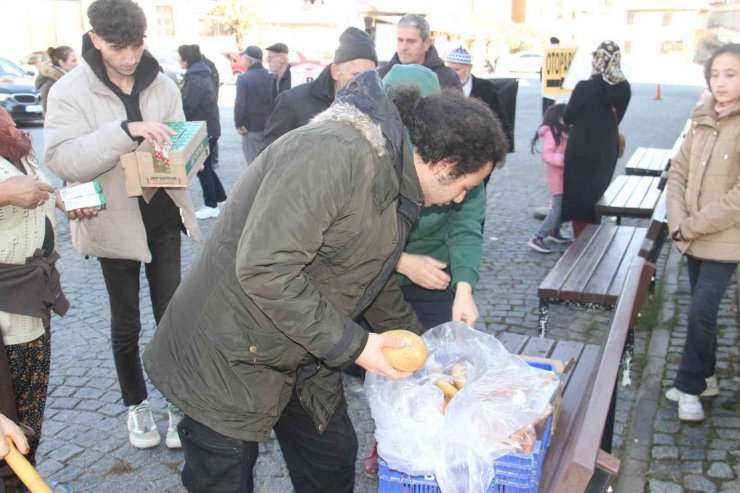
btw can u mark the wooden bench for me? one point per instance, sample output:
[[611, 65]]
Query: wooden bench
[[630, 196], [592, 270], [578, 458], [648, 161], [656, 232]]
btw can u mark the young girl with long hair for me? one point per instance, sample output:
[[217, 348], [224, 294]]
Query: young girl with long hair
[[554, 135], [703, 211]]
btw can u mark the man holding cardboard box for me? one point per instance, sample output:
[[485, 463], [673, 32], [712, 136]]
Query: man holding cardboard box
[[104, 109]]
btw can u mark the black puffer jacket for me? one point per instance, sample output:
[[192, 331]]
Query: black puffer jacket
[[295, 107], [199, 100]]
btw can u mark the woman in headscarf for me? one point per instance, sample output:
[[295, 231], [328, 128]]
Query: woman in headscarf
[[595, 109], [29, 284]]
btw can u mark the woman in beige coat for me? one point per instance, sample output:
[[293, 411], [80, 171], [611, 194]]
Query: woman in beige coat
[[704, 221]]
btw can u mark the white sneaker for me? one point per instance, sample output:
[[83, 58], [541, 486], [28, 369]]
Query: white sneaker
[[173, 438], [712, 390], [689, 408], [206, 212], [141, 430]]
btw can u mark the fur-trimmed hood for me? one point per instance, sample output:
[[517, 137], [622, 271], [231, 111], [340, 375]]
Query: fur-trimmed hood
[[364, 104], [345, 112], [48, 72]]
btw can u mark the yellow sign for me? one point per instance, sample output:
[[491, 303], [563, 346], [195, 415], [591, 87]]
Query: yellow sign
[[554, 69]]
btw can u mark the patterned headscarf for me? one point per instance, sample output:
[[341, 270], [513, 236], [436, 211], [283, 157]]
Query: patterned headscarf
[[607, 62], [14, 144]]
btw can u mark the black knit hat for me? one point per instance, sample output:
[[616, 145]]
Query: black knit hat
[[353, 44]]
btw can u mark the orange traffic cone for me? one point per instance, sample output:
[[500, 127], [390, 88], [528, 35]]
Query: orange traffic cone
[[657, 93]]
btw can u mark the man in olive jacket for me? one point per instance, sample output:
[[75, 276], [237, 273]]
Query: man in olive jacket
[[255, 335]]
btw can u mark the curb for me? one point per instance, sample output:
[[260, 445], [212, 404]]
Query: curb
[[639, 440]]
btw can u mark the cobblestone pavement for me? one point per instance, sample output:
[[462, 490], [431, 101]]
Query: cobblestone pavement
[[85, 440]]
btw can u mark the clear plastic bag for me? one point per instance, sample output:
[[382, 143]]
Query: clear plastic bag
[[500, 397]]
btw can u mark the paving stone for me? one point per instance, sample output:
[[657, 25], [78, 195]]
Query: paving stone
[[720, 470], [665, 452], [693, 453], [664, 487], [730, 487], [692, 467], [699, 483]]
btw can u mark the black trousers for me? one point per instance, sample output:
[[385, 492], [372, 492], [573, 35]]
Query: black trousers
[[431, 306], [213, 190], [317, 462], [122, 282]]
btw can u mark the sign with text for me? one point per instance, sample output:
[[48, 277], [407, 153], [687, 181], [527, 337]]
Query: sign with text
[[554, 70]]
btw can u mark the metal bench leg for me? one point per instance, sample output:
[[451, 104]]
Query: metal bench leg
[[544, 316]]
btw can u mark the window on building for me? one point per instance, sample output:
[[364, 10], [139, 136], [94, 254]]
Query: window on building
[[165, 20], [630, 17], [667, 18], [670, 46], [628, 46], [214, 26]]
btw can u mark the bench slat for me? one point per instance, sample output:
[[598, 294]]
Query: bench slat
[[626, 186], [539, 347], [634, 165], [565, 350], [630, 254], [651, 197], [588, 263], [550, 286], [512, 342], [640, 188], [599, 287], [612, 191]]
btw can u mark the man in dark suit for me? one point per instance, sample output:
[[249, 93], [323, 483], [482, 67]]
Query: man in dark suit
[[460, 61]]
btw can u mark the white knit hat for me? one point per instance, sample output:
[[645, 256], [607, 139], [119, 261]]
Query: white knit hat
[[459, 55]]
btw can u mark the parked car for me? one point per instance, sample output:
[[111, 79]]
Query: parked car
[[526, 61], [18, 94], [170, 63], [301, 68]]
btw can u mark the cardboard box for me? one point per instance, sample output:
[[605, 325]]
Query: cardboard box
[[84, 195], [175, 168]]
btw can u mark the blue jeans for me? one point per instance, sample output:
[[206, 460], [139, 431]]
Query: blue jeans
[[708, 281], [213, 190]]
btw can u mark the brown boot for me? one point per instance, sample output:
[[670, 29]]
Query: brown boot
[[371, 462]]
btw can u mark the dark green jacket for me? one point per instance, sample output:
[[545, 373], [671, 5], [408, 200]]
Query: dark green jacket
[[308, 239], [452, 234]]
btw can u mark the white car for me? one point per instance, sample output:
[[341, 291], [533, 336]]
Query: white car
[[526, 61]]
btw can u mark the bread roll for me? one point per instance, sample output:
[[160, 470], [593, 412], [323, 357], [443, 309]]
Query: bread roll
[[410, 357]]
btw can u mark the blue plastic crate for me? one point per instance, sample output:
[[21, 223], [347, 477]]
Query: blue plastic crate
[[514, 473]]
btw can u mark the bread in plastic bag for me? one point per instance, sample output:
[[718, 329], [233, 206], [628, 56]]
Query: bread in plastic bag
[[499, 395]]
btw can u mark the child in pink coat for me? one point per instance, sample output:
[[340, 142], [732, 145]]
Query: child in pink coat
[[554, 135]]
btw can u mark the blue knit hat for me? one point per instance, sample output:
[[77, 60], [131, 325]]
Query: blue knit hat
[[459, 55]]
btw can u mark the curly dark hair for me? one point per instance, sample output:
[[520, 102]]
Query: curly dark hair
[[448, 126], [119, 22]]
